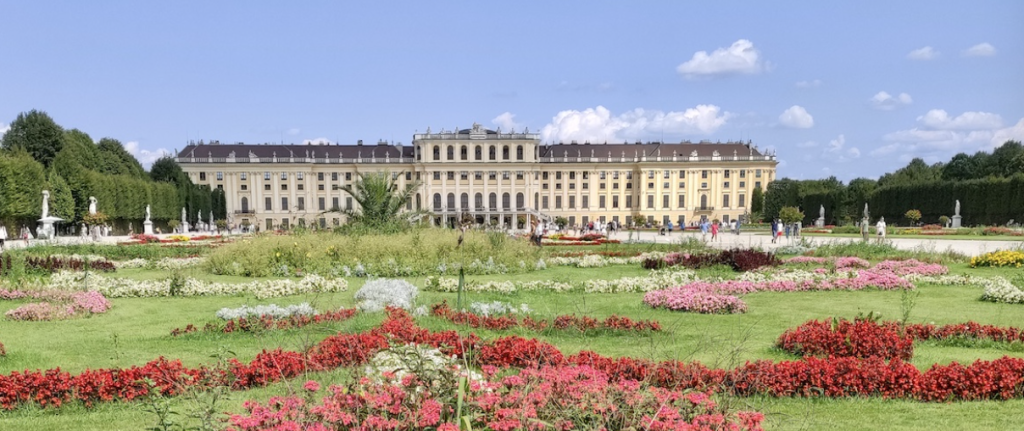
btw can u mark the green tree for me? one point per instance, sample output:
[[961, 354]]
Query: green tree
[[916, 172], [36, 133], [913, 216], [167, 170], [62, 203], [21, 187], [757, 201], [790, 215], [1003, 162], [781, 193], [380, 200], [115, 160]]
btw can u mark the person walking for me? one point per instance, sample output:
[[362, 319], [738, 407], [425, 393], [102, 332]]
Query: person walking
[[704, 231], [714, 232], [787, 231], [775, 230], [881, 229], [670, 227]]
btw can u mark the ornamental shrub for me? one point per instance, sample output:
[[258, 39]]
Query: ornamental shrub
[[861, 338], [380, 293]]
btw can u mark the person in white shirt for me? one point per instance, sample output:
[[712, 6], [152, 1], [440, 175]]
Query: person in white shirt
[[880, 227]]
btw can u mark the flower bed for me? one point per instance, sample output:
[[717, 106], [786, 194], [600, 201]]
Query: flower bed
[[999, 258], [508, 321], [63, 263], [739, 259], [843, 338], [695, 300], [57, 305], [261, 289], [656, 280], [268, 322]]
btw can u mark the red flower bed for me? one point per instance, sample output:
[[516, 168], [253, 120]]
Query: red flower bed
[[843, 338], [599, 253], [56, 263], [741, 260], [965, 330], [263, 323], [612, 323]]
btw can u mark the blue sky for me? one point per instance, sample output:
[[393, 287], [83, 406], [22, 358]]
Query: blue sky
[[850, 88]]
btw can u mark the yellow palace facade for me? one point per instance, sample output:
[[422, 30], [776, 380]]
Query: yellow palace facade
[[495, 177]]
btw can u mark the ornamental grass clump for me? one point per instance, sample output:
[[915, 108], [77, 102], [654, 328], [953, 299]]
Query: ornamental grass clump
[[380, 293]]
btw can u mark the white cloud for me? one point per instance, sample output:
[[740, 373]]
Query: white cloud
[[939, 119], [838, 151], [796, 117], [4, 128], [980, 50], [1014, 133], [926, 53], [507, 122], [317, 141], [888, 102], [809, 84], [145, 157], [741, 57], [599, 125]]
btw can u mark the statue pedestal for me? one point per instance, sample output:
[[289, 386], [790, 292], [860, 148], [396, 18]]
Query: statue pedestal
[[147, 227], [820, 222], [45, 230], [184, 227], [956, 222]]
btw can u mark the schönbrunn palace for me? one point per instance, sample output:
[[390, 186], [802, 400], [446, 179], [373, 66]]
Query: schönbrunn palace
[[494, 176]]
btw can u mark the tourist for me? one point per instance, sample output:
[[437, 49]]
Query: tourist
[[775, 230], [787, 231], [714, 232], [738, 227], [670, 227], [704, 230], [881, 229]]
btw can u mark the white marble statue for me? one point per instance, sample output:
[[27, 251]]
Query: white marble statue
[[199, 218], [183, 215], [147, 212], [866, 214], [956, 209], [46, 204], [92, 205], [821, 212]]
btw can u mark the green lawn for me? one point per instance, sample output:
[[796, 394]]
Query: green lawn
[[137, 330], [929, 237]]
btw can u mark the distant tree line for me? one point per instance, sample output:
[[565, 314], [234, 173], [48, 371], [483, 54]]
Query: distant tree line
[[37, 154], [989, 186]]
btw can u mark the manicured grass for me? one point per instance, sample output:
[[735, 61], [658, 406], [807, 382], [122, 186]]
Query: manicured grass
[[135, 331], [926, 237]]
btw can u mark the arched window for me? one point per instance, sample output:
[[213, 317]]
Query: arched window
[[519, 152], [504, 153], [465, 202], [703, 201], [505, 201], [245, 205], [451, 201], [519, 201], [479, 201], [437, 152], [479, 153], [490, 152], [493, 201], [437, 202], [463, 153], [451, 152]]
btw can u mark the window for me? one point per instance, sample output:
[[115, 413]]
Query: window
[[451, 201], [301, 186], [266, 176], [504, 153], [586, 186], [615, 201], [245, 187], [301, 203], [558, 202], [348, 203], [464, 202], [284, 186], [463, 153], [602, 175], [284, 176], [506, 201], [504, 175], [299, 175], [703, 174], [727, 173], [666, 175], [572, 186], [650, 201], [464, 175], [615, 186], [220, 187], [348, 176], [572, 175], [284, 204], [725, 201], [615, 175], [334, 204], [284, 223], [650, 185], [492, 200], [478, 175], [682, 174], [650, 175], [743, 173], [319, 176], [490, 153], [451, 152], [519, 152], [321, 203], [629, 175], [243, 176], [492, 175], [266, 187], [478, 153], [437, 202], [437, 175], [703, 185], [601, 201], [408, 176], [600, 186], [558, 186], [320, 187], [267, 204], [544, 202], [682, 201], [334, 176], [743, 184], [478, 200], [665, 201], [544, 186], [451, 175], [585, 176], [558, 175], [743, 201], [220, 176], [725, 185], [520, 201], [437, 152], [682, 184], [757, 184], [202, 176], [586, 202], [757, 173], [519, 175], [629, 201]]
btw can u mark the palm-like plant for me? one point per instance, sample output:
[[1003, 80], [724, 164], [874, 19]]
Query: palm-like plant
[[380, 200]]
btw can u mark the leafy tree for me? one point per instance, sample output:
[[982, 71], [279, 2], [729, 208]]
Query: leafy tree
[[913, 216], [790, 215], [167, 170], [115, 160], [858, 193], [1004, 160], [561, 222], [916, 172], [781, 193], [21, 187], [36, 133], [757, 201], [62, 203], [380, 200], [962, 167]]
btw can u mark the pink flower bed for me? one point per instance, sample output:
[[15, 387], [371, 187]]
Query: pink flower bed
[[695, 298], [59, 305]]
